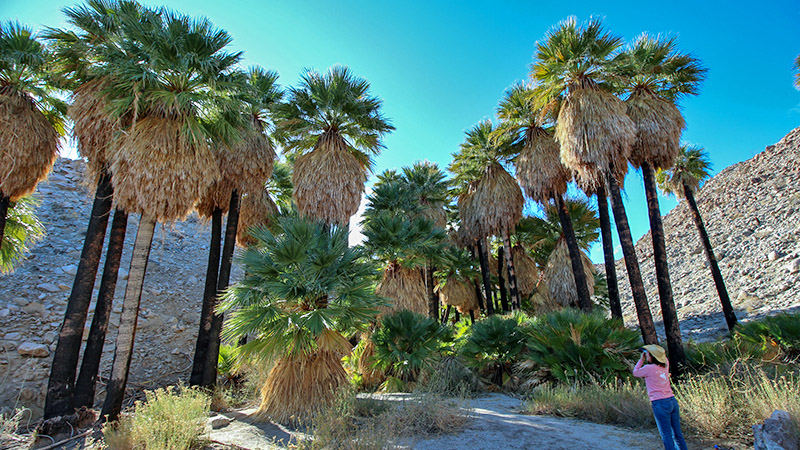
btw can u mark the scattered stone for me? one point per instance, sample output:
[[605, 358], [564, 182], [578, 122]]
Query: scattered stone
[[33, 350], [49, 287], [70, 269], [13, 336], [50, 337], [34, 308], [5, 312], [793, 266], [218, 422]]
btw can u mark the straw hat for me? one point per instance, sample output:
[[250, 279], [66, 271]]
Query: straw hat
[[657, 351]]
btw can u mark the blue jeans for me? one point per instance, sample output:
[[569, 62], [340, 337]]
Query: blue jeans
[[668, 420]]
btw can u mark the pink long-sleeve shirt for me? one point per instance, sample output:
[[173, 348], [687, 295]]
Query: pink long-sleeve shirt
[[656, 378]]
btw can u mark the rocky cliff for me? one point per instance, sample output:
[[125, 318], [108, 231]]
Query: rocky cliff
[[752, 214]]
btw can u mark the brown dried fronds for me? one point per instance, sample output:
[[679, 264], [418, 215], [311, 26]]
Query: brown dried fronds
[[370, 376], [28, 145], [561, 281], [299, 386], [460, 294], [255, 210], [526, 271], [539, 169], [161, 169], [659, 125], [328, 182], [405, 288], [497, 202], [594, 132], [93, 128]]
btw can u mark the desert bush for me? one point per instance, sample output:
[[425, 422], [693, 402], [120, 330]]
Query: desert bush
[[450, 377], [493, 346], [168, 419], [706, 356], [624, 403], [9, 428], [407, 342], [782, 331], [571, 346]]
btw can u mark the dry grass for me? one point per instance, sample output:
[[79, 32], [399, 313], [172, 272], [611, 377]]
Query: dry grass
[[9, 427], [496, 204], [659, 125], [594, 133], [559, 276], [405, 288], [93, 129], [161, 169], [168, 419], [29, 145], [539, 169], [298, 386], [328, 182]]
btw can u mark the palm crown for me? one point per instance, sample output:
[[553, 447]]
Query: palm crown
[[479, 151], [334, 103], [542, 234], [690, 169]]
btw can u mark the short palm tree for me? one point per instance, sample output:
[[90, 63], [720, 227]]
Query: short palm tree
[[496, 202], [305, 290], [23, 229], [572, 69], [333, 126], [455, 281], [31, 116], [245, 166], [656, 75], [539, 169], [683, 180], [164, 163]]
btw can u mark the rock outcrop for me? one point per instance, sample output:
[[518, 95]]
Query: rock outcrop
[[752, 213]]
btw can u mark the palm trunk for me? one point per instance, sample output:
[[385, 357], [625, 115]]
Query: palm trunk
[[433, 298], [646, 325], [478, 294], [115, 391], [472, 317], [501, 281], [608, 255], [87, 377], [487, 281], [581, 284], [722, 291], [672, 328], [5, 201], [231, 226], [209, 300], [60, 389], [512, 275], [446, 314]]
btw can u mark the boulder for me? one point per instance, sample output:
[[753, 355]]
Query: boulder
[[776, 433], [33, 350]]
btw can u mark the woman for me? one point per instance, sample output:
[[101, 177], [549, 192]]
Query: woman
[[665, 407]]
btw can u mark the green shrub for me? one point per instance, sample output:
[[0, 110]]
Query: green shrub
[[782, 331], [407, 342], [623, 403], [449, 377], [168, 419], [705, 356], [494, 345], [574, 347]]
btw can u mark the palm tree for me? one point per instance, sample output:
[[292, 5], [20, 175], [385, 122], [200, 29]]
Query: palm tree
[[656, 75], [305, 290], [245, 166], [32, 117], [334, 116], [77, 55], [164, 163], [23, 229], [683, 180], [540, 172], [572, 69], [496, 202]]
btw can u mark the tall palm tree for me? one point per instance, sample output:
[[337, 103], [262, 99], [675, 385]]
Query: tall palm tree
[[655, 74], [164, 162], [31, 116], [540, 171], [245, 166], [78, 54], [683, 180], [573, 74], [305, 290], [497, 201], [335, 117]]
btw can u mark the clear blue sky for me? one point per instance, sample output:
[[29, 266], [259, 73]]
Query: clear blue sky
[[442, 66]]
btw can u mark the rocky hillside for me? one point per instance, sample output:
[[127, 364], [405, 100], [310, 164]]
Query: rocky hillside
[[33, 299], [752, 214]]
